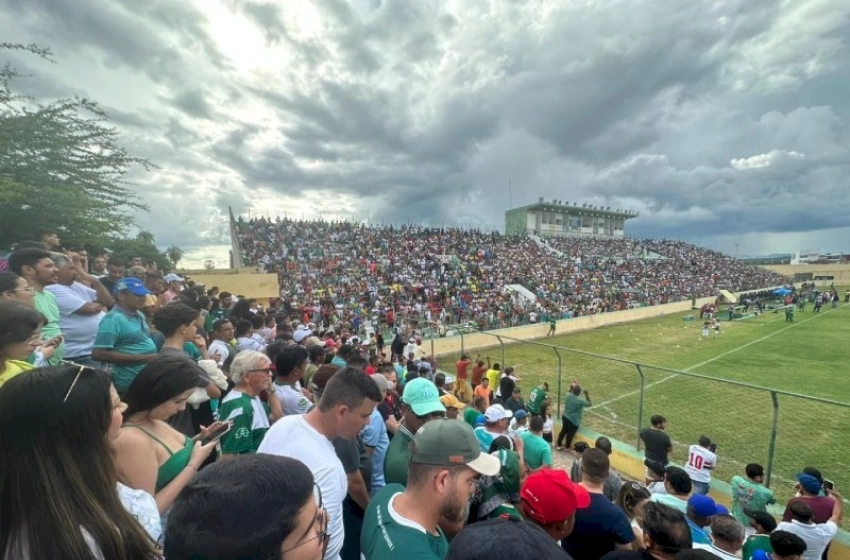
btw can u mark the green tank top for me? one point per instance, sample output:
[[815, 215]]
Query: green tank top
[[176, 462]]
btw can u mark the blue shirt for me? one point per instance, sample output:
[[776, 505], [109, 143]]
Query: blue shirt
[[698, 534], [375, 436], [126, 332]]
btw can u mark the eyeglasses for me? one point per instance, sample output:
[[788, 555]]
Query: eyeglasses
[[270, 369], [321, 519]]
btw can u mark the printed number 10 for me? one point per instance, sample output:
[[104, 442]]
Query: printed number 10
[[695, 461]]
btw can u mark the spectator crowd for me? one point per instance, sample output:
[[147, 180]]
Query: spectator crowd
[[337, 270], [145, 416]]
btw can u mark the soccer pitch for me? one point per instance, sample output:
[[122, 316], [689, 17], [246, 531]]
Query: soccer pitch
[[809, 356]]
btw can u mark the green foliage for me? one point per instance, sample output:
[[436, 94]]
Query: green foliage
[[141, 246], [174, 254], [61, 168]]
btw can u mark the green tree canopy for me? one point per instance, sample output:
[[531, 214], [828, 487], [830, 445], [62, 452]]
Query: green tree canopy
[[61, 168]]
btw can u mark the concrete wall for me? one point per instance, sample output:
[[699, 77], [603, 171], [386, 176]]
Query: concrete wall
[[841, 272], [260, 286]]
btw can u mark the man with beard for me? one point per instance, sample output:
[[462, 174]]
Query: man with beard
[[445, 459]]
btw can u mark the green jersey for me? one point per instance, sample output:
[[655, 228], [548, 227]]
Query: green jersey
[[536, 451], [573, 405], [386, 535], [536, 398], [250, 422], [749, 494], [45, 302], [397, 457], [754, 543], [470, 415]]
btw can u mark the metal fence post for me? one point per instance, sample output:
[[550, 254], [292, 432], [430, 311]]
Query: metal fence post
[[640, 404], [502, 342], [557, 353], [462, 350], [771, 448], [432, 345]]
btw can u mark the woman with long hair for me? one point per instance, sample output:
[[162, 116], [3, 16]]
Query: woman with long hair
[[153, 456], [20, 336], [58, 496], [633, 496]]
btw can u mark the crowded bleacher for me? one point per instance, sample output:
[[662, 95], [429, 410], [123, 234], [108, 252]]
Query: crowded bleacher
[[453, 276], [146, 416]]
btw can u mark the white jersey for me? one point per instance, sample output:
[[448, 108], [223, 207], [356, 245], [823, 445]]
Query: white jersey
[[700, 462]]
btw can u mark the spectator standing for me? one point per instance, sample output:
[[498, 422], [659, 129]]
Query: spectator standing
[[463, 390], [251, 373], [37, 268], [817, 536], [220, 348], [602, 527], [549, 500], [515, 401], [763, 524], [174, 285], [784, 546], [538, 400], [678, 486], [750, 493], [727, 537], [571, 417], [701, 461], [575, 471], [478, 372], [483, 390], [114, 273], [81, 308], [665, 535], [493, 374], [809, 488], [496, 421], [471, 414], [290, 366], [344, 409], [123, 338], [252, 508], [701, 509], [376, 439], [536, 451], [504, 539], [453, 406], [632, 499], [420, 404], [20, 335], [444, 461], [657, 444]]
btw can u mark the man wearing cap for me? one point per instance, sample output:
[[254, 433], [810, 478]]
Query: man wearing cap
[[453, 406], [809, 486], [602, 527], [375, 436], [405, 522], [123, 338], [701, 508], [496, 421], [549, 499], [175, 285], [420, 404], [763, 524], [750, 493], [817, 536]]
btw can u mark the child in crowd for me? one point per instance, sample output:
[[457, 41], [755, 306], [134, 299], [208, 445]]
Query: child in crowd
[[580, 447]]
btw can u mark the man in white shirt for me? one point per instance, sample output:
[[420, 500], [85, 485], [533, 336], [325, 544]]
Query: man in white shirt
[[816, 535], [701, 460], [727, 538], [80, 308], [290, 366], [344, 410]]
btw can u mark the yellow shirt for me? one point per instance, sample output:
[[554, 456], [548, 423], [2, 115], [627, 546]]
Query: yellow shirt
[[493, 376], [13, 368]]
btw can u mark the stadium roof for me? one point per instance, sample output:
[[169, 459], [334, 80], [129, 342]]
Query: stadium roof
[[575, 208]]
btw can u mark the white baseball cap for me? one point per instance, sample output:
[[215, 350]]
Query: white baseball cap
[[497, 412]]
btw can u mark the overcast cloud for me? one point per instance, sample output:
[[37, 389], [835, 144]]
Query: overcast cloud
[[724, 122]]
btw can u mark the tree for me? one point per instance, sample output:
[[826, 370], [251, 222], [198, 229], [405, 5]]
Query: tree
[[174, 254], [143, 245], [61, 168]]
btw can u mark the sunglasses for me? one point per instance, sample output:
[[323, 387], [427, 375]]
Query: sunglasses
[[76, 378]]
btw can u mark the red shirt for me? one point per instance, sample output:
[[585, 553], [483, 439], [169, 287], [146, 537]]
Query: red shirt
[[821, 508], [462, 368], [477, 374]]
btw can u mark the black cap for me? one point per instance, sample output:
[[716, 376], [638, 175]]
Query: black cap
[[504, 539], [767, 521]]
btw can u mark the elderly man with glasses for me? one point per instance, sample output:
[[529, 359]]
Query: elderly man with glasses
[[251, 371]]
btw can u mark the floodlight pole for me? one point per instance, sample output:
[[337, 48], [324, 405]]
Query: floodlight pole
[[771, 448]]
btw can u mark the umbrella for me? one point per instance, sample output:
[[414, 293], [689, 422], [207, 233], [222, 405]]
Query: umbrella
[[782, 292]]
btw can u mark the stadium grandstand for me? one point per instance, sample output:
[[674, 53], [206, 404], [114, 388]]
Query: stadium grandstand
[[455, 276]]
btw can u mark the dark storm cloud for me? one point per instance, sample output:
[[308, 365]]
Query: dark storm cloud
[[711, 118]]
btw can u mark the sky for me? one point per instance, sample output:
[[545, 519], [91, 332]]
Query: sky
[[724, 123]]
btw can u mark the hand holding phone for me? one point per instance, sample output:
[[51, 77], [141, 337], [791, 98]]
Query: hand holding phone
[[213, 433], [828, 485]]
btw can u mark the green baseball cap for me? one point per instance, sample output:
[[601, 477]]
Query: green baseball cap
[[448, 442], [423, 397]]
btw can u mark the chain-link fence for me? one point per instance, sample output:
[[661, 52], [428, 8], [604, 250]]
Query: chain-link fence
[[781, 430]]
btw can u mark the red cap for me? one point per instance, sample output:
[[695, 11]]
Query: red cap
[[551, 497]]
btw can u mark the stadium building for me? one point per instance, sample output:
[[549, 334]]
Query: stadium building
[[560, 218]]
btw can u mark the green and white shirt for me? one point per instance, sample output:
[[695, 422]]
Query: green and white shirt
[[250, 423], [386, 535]]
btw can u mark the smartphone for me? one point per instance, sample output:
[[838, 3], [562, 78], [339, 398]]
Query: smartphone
[[828, 484], [216, 435], [712, 447]]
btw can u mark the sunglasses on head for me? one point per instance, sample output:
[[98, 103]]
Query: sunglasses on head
[[76, 378]]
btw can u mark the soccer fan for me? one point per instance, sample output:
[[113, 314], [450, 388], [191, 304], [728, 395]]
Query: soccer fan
[[571, 417], [37, 268], [290, 366], [632, 499], [114, 273], [483, 390], [344, 409], [221, 335], [515, 401], [251, 373], [665, 536], [504, 539], [549, 499], [375, 437], [453, 406], [463, 390], [678, 488], [174, 285], [20, 335], [701, 509], [82, 301], [255, 507], [763, 524], [809, 486], [496, 421], [538, 400], [420, 404], [444, 461], [536, 451], [471, 414], [123, 336], [817, 536], [602, 527], [657, 443], [701, 461], [784, 546], [750, 493], [655, 473], [727, 537]]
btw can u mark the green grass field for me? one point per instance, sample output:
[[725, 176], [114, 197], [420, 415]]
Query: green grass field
[[809, 357]]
